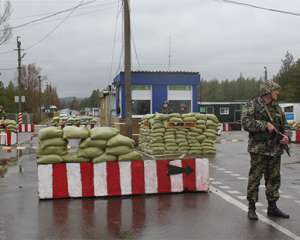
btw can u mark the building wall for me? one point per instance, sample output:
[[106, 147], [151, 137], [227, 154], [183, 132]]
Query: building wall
[[159, 82], [234, 111]]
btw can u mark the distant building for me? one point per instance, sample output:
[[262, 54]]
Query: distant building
[[227, 112]]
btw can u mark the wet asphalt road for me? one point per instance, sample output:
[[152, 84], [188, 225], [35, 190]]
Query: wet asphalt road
[[168, 216]]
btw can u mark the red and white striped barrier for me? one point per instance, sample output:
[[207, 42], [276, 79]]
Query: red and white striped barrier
[[26, 127], [226, 127], [19, 118], [295, 136], [115, 178], [8, 138]]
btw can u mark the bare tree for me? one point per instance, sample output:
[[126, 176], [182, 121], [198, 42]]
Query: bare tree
[[5, 12]]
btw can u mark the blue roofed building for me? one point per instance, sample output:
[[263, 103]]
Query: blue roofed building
[[150, 89]]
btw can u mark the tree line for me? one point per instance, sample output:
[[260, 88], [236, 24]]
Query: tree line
[[36, 96], [93, 101], [243, 89]]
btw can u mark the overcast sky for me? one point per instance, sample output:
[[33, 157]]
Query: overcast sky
[[217, 39]]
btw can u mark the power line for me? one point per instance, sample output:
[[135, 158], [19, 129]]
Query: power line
[[122, 48], [54, 14], [109, 6], [57, 25], [262, 8], [114, 41], [63, 20]]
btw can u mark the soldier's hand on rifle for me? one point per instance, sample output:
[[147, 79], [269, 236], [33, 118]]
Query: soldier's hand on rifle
[[284, 140], [270, 127]]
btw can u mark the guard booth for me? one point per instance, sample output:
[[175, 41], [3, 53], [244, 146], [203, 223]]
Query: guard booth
[[150, 90]]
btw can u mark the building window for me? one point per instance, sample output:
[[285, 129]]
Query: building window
[[180, 106], [141, 87], [180, 87], [289, 109], [210, 110], [202, 109], [141, 107], [224, 110]]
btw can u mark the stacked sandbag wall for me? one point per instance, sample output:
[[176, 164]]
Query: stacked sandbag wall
[[8, 125], [191, 133], [97, 145]]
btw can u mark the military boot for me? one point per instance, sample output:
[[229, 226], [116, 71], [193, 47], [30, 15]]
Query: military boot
[[274, 211], [251, 212]]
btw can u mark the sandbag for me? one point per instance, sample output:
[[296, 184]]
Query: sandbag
[[55, 150], [74, 158], [52, 142], [175, 120], [119, 150], [120, 140], [50, 132], [103, 133], [72, 132], [189, 119], [200, 116], [49, 159], [93, 143], [212, 117], [104, 158], [90, 152], [134, 155], [188, 115]]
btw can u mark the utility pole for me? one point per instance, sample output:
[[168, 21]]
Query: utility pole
[[266, 73], [40, 97], [127, 66], [19, 72]]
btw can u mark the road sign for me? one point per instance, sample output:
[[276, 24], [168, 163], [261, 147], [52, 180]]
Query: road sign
[[19, 99]]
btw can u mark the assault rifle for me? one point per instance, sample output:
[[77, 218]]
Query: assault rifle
[[279, 135], [277, 139]]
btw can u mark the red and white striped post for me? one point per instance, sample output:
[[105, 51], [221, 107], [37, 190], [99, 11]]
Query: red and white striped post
[[19, 118]]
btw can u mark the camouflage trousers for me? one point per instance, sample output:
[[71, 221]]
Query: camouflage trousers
[[269, 167]]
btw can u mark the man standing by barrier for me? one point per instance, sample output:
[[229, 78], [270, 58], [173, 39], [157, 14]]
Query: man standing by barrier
[[263, 118]]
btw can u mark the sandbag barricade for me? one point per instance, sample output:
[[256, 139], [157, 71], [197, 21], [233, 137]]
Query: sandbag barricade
[[295, 136], [89, 126], [118, 178], [26, 127], [8, 138]]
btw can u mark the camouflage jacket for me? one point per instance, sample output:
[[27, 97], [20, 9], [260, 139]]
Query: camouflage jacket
[[255, 119]]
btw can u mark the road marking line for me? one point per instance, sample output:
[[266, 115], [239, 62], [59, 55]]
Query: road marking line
[[265, 210], [242, 178], [261, 217], [242, 197], [262, 186], [216, 183], [297, 201], [287, 196], [211, 179], [225, 187], [235, 175], [227, 172], [259, 204], [234, 192], [221, 169]]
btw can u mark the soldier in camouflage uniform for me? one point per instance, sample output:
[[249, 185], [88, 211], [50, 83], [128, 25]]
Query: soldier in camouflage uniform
[[262, 117]]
